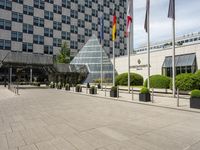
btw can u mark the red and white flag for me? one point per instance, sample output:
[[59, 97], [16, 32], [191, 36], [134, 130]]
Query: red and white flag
[[129, 16]]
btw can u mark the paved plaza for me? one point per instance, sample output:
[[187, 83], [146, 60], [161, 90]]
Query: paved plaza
[[49, 119]]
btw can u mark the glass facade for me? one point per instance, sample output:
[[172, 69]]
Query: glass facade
[[90, 55]]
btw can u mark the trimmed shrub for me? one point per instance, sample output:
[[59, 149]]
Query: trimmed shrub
[[114, 88], [135, 79], [158, 81], [59, 85], [52, 85], [144, 90], [186, 82], [195, 94]]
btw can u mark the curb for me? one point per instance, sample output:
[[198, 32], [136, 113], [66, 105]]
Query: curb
[[134, 102]]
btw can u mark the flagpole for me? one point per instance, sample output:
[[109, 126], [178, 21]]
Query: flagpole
[[128, 51], [148, 47], [101, 64], [173, 57], [113, 63]]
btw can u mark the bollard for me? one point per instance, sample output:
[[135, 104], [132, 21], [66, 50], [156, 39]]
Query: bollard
[[86, 90], [105, 90], [152, 100], [177, 97], [117, 91], [132, 94], [17, 89]]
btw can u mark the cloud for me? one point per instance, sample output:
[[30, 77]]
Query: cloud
[[187, 14]]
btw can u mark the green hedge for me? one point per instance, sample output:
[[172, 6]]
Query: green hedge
[[195, 93], [158, 81], [186, 81], [135, 79]]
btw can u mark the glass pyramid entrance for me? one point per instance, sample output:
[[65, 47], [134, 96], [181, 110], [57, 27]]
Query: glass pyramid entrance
[[90, 55]]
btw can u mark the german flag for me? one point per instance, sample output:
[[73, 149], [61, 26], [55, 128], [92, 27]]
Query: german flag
[[114, 27]]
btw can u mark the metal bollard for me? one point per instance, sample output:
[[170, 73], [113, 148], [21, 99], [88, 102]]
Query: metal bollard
[[117, 91], [177, 97], [105, 90], [132, 94], [152, 95], [17, 89]]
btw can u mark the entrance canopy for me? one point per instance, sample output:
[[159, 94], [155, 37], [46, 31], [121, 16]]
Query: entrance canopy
[[180, 61]]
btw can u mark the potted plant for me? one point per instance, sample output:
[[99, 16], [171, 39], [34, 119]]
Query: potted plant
[[67, 87], [144, 95], [78, 88], [93, 90], [113, 91], [52, 85], [59, 85], [195, 99]]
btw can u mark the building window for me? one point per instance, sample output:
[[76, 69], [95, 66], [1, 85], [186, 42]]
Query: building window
[[27, 47], [66, 19], [81, 38], [74, 29], [48, 49], [88, 18], [65, 35], [94, 13], [5, 24], [88, 32], [39, 4], [28, 10], [48, 32], [5, 44], [27, 28], [88, 3], [38, 21], [16, 36], [74, 14], [38, 39], [49, 1], [57, 25], [18, 1], [81, 23], [6, 4], [18, 17], [94, 26], [81, 8], [56, 42], [57, 9], [74, 44], [48, 15]]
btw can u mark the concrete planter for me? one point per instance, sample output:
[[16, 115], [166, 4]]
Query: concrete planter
[[195, 102], [67, 88], [93, 91], [113, 93], [78, 89], [144, 97]]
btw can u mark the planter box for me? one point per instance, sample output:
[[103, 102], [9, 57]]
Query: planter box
[[113, 93], [78, 89], [144, 97], [93, 91], [98, 86], [67, 88], [195, 102]]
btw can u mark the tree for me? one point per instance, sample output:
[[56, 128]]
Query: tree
[[64, 56]]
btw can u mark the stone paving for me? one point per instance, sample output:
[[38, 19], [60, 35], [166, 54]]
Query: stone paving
[[49, 119]]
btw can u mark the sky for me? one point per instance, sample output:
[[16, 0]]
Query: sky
[[187, 20]]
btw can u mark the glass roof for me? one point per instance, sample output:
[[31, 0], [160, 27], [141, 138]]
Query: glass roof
[[180, 60], [90, 55]]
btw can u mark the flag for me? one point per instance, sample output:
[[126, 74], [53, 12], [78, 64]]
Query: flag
[[101, 28], [129, 16], [114, 27], [171, 12], [146, 24]]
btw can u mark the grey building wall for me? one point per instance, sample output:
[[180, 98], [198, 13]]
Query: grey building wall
[[75, 38]]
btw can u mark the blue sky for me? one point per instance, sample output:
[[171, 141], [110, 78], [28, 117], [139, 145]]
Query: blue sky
[[187, 20]]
